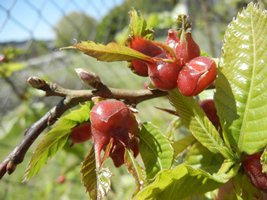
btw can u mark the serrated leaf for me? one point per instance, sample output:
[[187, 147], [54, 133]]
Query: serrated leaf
[[135, 169], [264, 160], [200, 157], [180, 182], [196, 121], [138, 26], [89, 177], [110, 52], [180, 145], [56, 138], [241, 93], [155, 149]]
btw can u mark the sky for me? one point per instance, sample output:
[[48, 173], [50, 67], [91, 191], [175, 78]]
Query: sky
[[24, 19]]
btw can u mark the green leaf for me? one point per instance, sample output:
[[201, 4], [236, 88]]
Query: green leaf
[[180, 182], [138, 26], [88, 171], [172, 128], [264, 160], [56, 138], [97, 183], [244, 189], [7, 69], [110, 52], [196, 121], [155, 149], [135, 169], [180, 145], [200, 157], [241, 93]]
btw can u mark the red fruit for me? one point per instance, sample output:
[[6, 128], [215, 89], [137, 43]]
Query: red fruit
[[164, 75], [185, 47], [112, 121], [172, 39], [61, 179], [209, 108], [253, 169], [81, 133], [196, 76], [146, 47]]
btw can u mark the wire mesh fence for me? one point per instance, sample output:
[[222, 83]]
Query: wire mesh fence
[[31, 33]]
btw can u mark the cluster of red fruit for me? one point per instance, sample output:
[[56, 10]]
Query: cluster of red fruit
[[113, 128], [177, 64]]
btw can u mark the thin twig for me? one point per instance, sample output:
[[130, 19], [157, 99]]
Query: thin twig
[[70, 99]]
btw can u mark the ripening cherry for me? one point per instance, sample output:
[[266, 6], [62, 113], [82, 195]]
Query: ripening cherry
[[112, 121], [186, 49], [81, 133], [184, 46], [163, 75], [253, 169], [146, 47], [172, 39], [209, 108], [196, 76]]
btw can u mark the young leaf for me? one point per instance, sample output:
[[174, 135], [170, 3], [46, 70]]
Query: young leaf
[[56, 138], [179, 183], [196, 121], [155, 149], [138, 26], [241, 94], [97, 183], [110, 52], [7, 69], [200, 157], [135, 169], [180, 145], [89, 177]]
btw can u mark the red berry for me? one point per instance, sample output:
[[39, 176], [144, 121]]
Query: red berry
[[172, 39], [253, 169], [146, 47], [112, 120], [81, 133], [209, 108], [61, 179], [164, 75], [196, 76], [185, 47]]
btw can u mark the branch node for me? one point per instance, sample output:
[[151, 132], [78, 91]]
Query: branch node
[[11, 166], [36, 82], [89, 78]]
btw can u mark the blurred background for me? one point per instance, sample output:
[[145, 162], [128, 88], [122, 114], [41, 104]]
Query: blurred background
[[31, 32]]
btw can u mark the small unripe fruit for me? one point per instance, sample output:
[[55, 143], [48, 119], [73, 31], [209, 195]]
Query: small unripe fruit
[[163, 75], [61, 179], [172, 39], [112, 121], [146, 47], [81, 133], [185, 47], [196, 76], [209, 108], [253, 169]]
